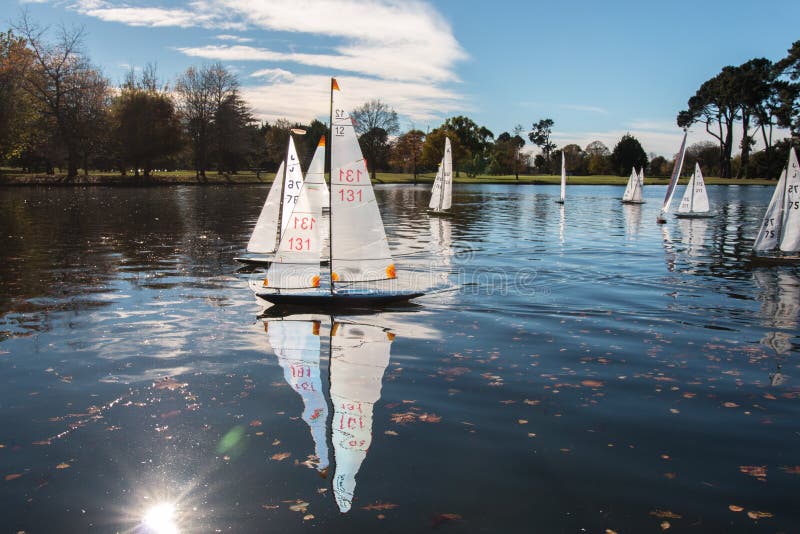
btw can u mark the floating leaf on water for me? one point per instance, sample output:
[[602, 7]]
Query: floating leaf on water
[[730, 405], [391, 433], [276, 442], [444, 518], [380, 506], [255, 423], [592, 383], [670, 476], [754, 514], [13, 476], [665, 514], [793, 470], [735, 508], [609, 531], [280, 456], [169, 383], [674, 410], [299, 506], [522, 421], [62, 465], [531, 435], [270, 506], [308, 517], [758, 471], [665, 525]]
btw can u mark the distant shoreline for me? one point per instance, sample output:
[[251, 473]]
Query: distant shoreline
[[250, 178]]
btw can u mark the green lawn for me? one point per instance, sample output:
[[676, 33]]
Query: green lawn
[[8, 175]]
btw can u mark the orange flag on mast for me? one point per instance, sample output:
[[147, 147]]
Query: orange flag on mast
[[334, 85]]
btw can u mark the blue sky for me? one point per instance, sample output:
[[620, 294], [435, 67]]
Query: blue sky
[[598, 70]]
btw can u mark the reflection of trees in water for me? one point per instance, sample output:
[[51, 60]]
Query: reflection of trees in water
[[61, 246]]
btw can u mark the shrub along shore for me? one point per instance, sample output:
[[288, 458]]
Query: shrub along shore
[[249, 178]]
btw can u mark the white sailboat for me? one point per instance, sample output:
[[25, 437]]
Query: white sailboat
[[282, 196], [442, 191], [673, 181], [360, 255], [780, 229], [635, 188], [694, 203], [359, 356], [563, 179]]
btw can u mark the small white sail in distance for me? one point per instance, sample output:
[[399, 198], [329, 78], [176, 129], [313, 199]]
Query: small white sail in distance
[[695, 197], [442, 191], [359, 249], [264, 238], [676, 174]]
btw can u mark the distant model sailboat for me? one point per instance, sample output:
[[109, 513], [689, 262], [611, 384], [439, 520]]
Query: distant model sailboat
[[360, 253], [275, 213], [673, 181], [442, 191], [563, 179], [695, 199], [635, 188], [780, 228]]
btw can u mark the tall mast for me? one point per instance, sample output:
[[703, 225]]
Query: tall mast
[[330, 195], [283, 194]]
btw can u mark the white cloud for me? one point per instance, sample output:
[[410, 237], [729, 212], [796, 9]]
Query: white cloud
[[235, 38], [274, 75], [591, 109], [307, 96]]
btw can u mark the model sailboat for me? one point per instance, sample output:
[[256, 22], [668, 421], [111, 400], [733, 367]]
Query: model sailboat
[[359, 355], [780, 228], [442, 191], [360, 255], [563, 179], [673, 181], [634, 189], [695, 199], [275, 213]]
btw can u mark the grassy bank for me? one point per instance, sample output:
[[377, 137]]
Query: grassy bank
[[14, 177]]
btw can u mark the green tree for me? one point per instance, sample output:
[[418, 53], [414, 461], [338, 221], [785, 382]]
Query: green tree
[[376, 149], [628, 153], [406, 152], [540, 136], [787, 98], [17, 111]]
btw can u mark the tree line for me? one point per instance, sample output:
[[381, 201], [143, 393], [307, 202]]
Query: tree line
[[58, 111]]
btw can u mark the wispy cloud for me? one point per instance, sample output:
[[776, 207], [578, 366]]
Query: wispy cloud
[[591, 109], [404, 50], [235, 38]]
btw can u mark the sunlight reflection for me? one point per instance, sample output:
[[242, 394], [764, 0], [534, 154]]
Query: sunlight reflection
[[160, 519]]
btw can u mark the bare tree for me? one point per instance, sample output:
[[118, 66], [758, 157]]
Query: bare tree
[[375, 114], [66, 86]]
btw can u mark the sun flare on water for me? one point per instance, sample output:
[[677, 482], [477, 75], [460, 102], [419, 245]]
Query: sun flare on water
[[160, 519]]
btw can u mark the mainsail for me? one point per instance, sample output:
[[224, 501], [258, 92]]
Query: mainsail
[[265, 235], [316, 174], [769, 234], [676, 174], [293, 185], [695, 198], [359, 249], [359, 357], [630, 188], [296, 344]]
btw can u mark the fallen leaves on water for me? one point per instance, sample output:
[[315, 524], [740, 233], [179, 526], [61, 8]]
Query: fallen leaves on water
[[592, 383], [380, 506], [665, 514], [308, 517], [391, 433], [532, 402], [13, 476], [730, 405], [735, 508], [754, 514], [299, 506], [522, 421], [255, 423], [63, 465], [270, 506], [280, 456], [430, 418], [665, 525], [758, 471], [168, 383], [411, 417], [670, 476], [792, 470]]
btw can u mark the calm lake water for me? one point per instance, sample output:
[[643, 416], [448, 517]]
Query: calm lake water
[[577, 369]]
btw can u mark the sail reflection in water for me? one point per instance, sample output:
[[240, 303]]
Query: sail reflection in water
[[296, 344], [359, 357]]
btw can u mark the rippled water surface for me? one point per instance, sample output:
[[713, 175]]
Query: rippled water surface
[[576, 368]]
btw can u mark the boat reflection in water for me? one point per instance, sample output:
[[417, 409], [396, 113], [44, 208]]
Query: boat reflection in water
[[359, 355], [779, 310], [633, 220]]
